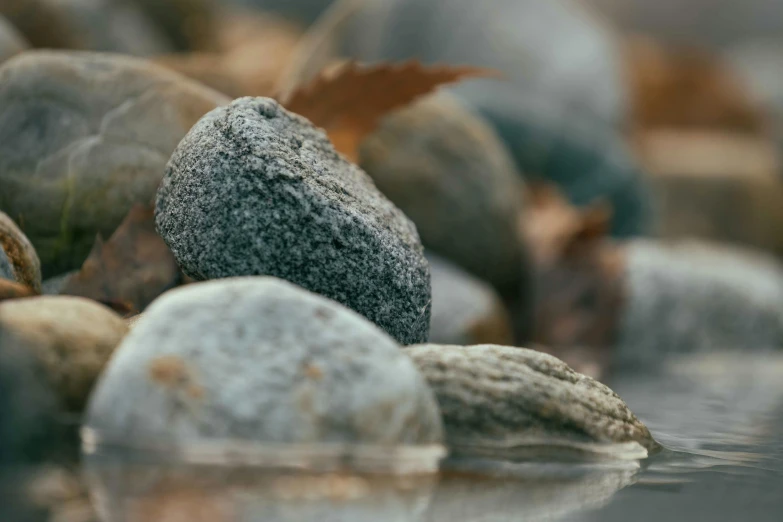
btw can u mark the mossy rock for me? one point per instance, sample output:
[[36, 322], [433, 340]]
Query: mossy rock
[[83, 137]]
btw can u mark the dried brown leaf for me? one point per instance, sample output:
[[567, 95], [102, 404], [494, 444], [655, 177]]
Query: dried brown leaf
[[130, 270], [349, 101]]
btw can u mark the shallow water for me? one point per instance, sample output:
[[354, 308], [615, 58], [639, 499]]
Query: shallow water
[[720, 418]]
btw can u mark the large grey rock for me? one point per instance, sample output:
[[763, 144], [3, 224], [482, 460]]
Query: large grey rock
[[11, 42], [83, 137], [693, 296], [255, 190], [69, 338], [260, 360], [502, 399], [18, 259], [465, 310], [447, 170]]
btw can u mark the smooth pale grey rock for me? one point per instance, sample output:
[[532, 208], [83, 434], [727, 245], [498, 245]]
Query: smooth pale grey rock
[[465, 310], [11, 41], [260, 360], [501, 399], [256, 190], [18, 259], [695, 296], [70, 338], [83, 137], [447, 170]]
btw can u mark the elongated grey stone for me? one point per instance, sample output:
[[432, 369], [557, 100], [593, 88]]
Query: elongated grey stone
[[503, 398]]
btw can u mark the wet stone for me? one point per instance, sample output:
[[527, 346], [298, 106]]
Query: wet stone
[[500, 400], [256, 190], [261, 360]]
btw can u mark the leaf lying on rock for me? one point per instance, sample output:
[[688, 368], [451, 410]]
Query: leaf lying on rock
[[349, 101], [130, 270]]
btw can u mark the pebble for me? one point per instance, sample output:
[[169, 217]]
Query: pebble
[[465, 310], [502, 399], [448, 171], [693, 296], [71, 340], [256, 190], [262, 360], [18, 259], [83, 137]]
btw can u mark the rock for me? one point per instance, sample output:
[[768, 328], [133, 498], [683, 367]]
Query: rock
[[448, 171], [95, 25], [255, 190], [71, 339], [604, 304], [18, 259], [465, 310], [11, 42], [715, 185], [504, 399], [83, 137], [260, 360], [694, 296]]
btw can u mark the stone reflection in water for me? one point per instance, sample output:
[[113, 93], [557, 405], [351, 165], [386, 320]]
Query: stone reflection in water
[[532, 492], [125, 492]]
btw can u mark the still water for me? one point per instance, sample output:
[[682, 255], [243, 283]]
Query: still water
[[720, 418]]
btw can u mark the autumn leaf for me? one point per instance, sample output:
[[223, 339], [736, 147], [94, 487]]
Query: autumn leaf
[[130, 270], [349, 101]]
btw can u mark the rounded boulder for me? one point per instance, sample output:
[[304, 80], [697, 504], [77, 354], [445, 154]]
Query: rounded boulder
[[260, 360], [83, 137], [256, 190]]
